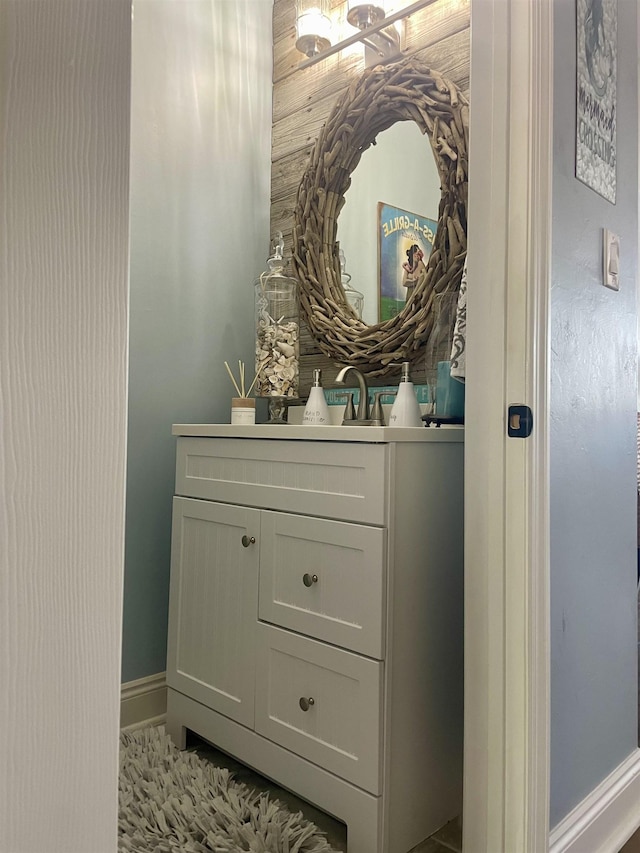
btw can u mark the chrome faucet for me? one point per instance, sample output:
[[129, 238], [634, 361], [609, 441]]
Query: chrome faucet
[[363, 417]]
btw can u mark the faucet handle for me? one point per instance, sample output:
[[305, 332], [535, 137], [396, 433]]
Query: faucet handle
[[377, 413], [349, 410]]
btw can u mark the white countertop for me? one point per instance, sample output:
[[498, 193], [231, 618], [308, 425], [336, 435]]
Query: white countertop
[[369, 435]]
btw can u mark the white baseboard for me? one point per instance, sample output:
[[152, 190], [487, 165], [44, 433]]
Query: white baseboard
[[605, 819], [143, 702]]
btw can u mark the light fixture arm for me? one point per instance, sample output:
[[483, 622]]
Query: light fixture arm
[[381, 46]]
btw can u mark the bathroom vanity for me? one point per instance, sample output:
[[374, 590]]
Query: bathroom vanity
[[316, 616]]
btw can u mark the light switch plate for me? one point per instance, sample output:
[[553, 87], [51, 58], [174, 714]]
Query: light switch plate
[[611, 259]]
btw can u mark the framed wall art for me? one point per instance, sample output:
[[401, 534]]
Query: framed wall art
[[596, 78], [404, 245]]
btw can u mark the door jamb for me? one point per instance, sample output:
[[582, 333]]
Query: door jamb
[[507, 650]]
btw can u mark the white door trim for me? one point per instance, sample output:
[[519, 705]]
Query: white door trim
[[143, 702], [506, 796], [606, 818]]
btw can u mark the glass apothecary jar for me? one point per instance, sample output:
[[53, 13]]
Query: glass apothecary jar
[[354, 298], [277, 314]]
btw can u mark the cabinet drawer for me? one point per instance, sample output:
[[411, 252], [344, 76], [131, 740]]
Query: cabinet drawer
[[325, 579], [341, 729], [329, 479]]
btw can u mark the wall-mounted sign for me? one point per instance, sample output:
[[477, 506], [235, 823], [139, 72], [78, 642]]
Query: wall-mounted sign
[[597, 33]]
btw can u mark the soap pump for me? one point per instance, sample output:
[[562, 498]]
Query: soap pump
[[405, 411], [316, 411]]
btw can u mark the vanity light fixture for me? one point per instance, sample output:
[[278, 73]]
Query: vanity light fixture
[[379, 30], [313, 26]]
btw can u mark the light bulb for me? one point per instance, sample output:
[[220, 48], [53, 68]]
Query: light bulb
[[362, 14], [313, 26]]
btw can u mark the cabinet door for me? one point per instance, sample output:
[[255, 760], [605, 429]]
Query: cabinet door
[[213, 605]]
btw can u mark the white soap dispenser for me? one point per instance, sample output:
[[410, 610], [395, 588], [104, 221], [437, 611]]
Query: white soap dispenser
[[405, 411], [316, 412]]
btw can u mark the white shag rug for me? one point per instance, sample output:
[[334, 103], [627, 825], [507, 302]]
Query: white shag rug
[[176, 802]]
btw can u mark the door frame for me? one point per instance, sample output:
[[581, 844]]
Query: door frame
[[507, 649]]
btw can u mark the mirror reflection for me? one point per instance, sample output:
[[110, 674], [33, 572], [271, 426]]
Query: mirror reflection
[[400, 172]]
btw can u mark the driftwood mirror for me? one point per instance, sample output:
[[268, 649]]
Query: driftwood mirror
[[380, 97]]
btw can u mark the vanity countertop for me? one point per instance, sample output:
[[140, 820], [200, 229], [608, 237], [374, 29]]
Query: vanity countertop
[[367, 434]]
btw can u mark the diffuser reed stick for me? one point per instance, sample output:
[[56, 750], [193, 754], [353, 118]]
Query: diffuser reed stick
[[240, 385], [235, 384], [252, 384]]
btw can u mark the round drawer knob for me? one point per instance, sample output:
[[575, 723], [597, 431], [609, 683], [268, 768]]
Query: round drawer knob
[[309, 580], [248, 540], [305, 704]]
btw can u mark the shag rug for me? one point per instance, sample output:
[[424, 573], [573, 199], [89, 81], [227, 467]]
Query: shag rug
[[176, 802]]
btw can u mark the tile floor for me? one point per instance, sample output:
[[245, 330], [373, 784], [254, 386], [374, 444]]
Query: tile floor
[[446, 840], [633, 844]]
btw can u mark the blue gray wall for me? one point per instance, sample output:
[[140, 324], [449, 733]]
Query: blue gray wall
[[200, 175], [593, 422]]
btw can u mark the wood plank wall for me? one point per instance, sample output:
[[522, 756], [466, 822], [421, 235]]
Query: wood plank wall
[[303, 98]]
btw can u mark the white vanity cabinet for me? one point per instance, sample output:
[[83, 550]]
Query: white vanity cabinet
[[315, 618]]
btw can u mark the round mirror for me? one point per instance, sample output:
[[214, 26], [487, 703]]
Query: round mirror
[[381, 97]]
